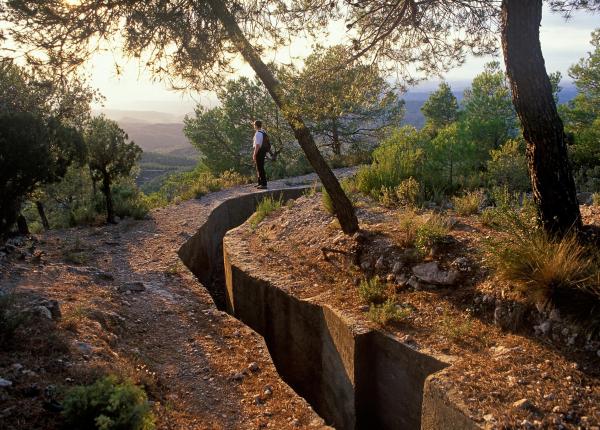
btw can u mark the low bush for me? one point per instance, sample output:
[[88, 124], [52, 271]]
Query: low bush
[[546, 269], [508, 167], [455, 329], [264, 208], [468, 204], [387, 312], [409, 192], [11, 318], [108, 405], [372, 290], [433, 231]]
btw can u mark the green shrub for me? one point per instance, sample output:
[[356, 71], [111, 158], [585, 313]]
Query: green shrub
[[409, 193], [510, 211], [11, 318], [399, 157], [409, 221], [387, 312], [433, 231], [265, 207], [468, 204], [508, 167], [373, 290], [108, 405]]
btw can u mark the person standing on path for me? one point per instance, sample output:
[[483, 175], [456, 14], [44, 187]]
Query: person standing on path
[[261, 146]]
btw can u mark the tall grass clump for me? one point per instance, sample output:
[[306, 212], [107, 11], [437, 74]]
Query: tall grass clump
[[267, 205], [560, 270], [108, 405]]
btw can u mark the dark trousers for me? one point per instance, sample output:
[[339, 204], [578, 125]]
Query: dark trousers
[[260, 167]]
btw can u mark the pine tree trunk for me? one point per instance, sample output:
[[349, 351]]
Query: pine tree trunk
[[40, 208], [342, 206], [547, 158], [22, 226], [110, 214], [337, 146]]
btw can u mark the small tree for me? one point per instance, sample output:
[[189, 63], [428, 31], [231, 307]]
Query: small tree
[[110, 156], [489, 115], [349, 108], [36, 146], [441, 108]]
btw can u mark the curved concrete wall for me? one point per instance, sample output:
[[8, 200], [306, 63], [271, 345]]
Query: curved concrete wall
[[355, 378]]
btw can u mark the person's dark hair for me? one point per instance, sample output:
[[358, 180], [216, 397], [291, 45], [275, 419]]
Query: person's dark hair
[[258, 123]]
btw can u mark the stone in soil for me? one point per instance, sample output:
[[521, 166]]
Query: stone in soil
[[431, 274], [133, 287], [5, 383]]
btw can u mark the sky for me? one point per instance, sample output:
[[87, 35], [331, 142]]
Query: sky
[[563, 43]]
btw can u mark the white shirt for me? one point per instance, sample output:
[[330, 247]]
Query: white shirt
[[258, 139]]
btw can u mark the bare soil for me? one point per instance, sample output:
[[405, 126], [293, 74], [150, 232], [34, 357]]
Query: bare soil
[[202, 369], [557, 372]]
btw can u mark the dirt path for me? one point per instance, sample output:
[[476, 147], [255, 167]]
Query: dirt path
[[202, 368]]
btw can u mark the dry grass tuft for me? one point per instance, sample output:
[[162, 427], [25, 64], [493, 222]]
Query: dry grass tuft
[[468, 204]]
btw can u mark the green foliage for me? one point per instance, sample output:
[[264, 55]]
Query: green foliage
[[38, 135], [409, 192], [110, 156], [11, 318], [388, 312], [266, 206], [372, 290], [344, 110], [596, 199], [184, 186], [398, 158], [223, 135], [489, 116], [507, 167], [433, 231], [108, 405], [441, 108], [129, 201], [468, 204]]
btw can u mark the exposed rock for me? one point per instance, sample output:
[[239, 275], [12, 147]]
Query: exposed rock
[[509, 316], [379, 264], [253, 367], [134, 287], [397, 267], [238, 376], [413, 282], [462, 264], [544, 328], [85, 348], [431, 274], [42, 311], [5, 383]]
